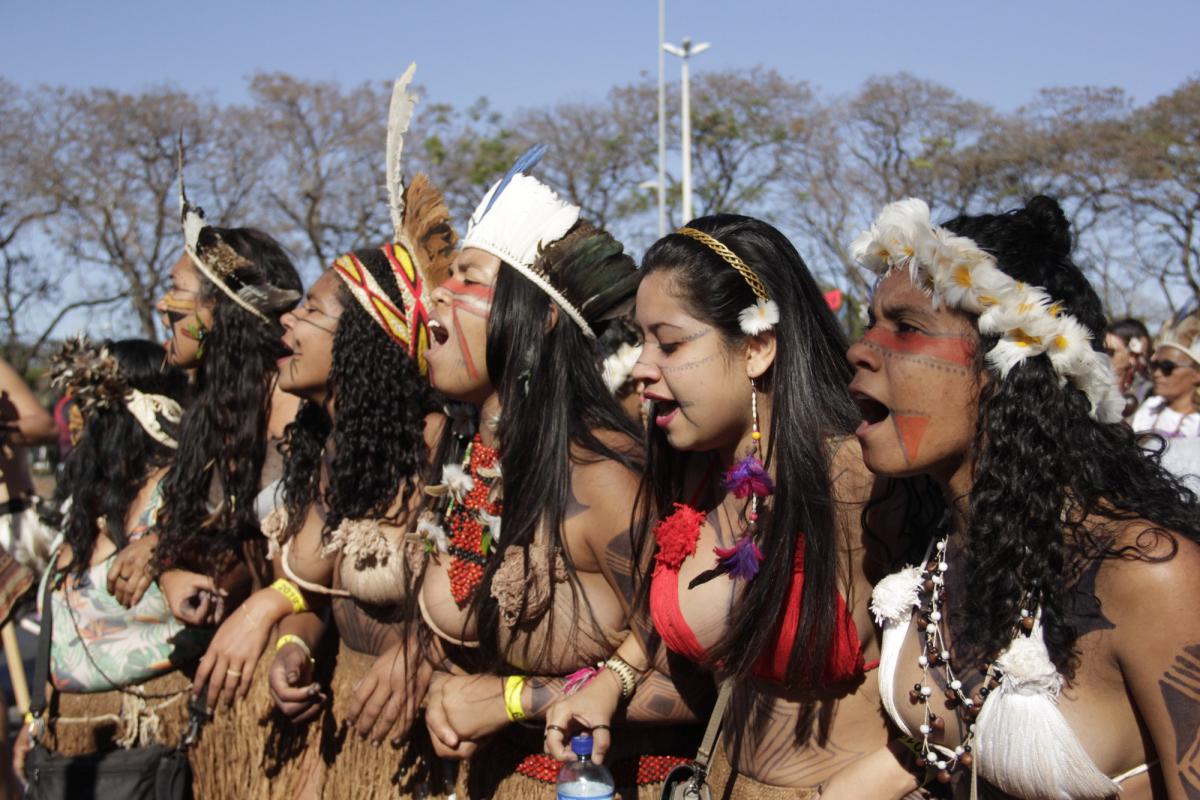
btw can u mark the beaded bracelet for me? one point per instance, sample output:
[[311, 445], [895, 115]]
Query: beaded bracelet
[[626, 674], [291, 638], [514, 685], [293, 595]]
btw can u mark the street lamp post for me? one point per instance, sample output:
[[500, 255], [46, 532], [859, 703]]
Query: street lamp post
[[685, 51], [662, 121]]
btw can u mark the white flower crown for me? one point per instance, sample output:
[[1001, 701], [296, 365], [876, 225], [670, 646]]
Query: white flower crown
[[1028, 322]]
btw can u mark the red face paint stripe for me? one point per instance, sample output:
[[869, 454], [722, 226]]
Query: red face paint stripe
[[472, 370], [456, 286], [955, 349]]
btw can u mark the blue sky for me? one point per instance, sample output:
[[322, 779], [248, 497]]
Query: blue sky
[[536, 52], [539, 52]]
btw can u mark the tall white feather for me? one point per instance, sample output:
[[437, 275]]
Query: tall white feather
[[1023, 744], [399, 116]]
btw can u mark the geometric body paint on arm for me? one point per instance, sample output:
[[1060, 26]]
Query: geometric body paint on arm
[[1180, 687]]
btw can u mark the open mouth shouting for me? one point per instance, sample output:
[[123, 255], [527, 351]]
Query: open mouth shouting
[[873, 412], [662, 409], [438, 332]]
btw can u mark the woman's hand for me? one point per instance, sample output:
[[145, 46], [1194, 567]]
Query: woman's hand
[[193, 598], [446, 743], [387, 698], [130, 577], [20, 750], [228, 666], [591, 708], [296, 695], [465, 708]]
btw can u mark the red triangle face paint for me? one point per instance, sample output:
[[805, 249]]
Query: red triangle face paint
[[910, 428]]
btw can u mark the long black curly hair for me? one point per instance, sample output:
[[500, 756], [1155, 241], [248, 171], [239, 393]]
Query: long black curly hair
[[1046, 470], [224, 433], [553, 400], [809, 406], [377, 434], [108, 467]]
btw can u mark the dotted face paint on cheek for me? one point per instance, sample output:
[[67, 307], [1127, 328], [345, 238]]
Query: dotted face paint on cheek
[[690, 365], [951, 352]]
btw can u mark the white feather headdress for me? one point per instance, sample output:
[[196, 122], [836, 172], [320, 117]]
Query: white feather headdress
[[954, 270], [517, 218]]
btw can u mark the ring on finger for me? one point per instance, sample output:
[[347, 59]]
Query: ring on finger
[[558, 728], [600, 728], [235, 673]]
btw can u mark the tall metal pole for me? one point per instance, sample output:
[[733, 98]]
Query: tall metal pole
[[662, 120], [686, 126], [685, 51]]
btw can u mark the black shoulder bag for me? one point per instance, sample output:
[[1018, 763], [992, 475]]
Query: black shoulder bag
[[153, 772]]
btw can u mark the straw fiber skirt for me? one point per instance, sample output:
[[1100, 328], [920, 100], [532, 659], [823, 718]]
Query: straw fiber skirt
[[728, 784]]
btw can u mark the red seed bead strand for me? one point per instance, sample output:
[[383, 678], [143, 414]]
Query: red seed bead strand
[[467, 556]]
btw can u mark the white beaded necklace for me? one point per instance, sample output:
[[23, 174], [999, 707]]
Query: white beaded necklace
[[936, 653]]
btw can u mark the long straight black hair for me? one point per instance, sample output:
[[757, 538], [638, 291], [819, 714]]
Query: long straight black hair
[[552, 396], [809, 406]]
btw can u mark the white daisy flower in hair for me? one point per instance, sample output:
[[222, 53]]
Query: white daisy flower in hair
[[759, 318]]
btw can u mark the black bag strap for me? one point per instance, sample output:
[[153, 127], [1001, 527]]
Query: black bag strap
[[712, 733], [41, 670]]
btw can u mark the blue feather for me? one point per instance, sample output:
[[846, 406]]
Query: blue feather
[[525, 162]]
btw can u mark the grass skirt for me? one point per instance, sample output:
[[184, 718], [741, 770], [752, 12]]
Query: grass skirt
[[98, 722], [728, 784], [354, 768], [252, 751]]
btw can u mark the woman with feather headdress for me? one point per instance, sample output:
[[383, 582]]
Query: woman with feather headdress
[[104, 656], [528, 574], [227, 292]]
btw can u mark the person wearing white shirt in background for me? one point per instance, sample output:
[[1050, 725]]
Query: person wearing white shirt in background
[[1172, 411]]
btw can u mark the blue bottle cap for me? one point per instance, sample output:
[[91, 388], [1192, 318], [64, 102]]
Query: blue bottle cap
[[581, 745]]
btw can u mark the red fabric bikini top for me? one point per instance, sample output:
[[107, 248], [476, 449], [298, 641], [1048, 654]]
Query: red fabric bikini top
[[677, 536]]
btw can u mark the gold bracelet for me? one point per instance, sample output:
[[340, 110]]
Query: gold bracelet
[[514, 685], [293, 595], [291, 638], [625, 673]]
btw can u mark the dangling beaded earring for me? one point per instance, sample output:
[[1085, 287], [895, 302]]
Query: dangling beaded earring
[[748, 478]]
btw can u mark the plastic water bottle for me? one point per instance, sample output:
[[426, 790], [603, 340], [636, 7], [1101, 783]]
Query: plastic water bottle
[[584, 779]]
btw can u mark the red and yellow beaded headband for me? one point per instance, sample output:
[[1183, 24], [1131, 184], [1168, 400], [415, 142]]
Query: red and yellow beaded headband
[[407, 324]]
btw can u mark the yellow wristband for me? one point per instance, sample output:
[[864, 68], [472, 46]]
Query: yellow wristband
[[28, 718], [513, 686], [293, 595], [291, 638]]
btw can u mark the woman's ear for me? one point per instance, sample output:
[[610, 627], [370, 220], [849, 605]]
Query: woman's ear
[[760, 353], [552, 316]]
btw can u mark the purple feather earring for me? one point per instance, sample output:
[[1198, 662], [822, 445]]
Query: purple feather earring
[[747, 478]]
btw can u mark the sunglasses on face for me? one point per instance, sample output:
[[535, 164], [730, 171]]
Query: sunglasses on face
[[1167, 367]]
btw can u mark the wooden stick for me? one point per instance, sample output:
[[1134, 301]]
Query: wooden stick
[[16, 666]]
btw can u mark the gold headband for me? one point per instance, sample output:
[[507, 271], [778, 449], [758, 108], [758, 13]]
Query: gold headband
[[756, 285]]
